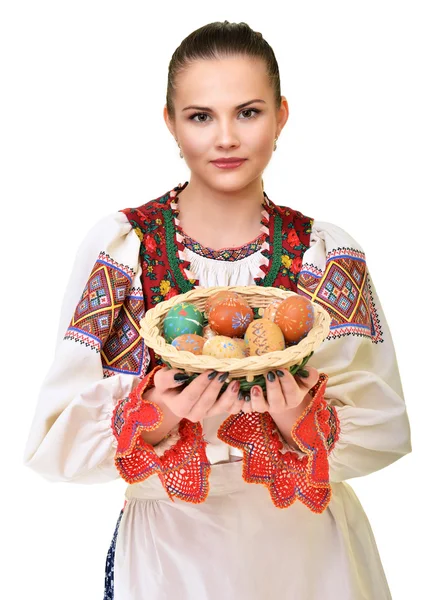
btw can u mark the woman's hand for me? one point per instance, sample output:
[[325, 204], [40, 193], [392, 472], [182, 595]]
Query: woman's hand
[[284, 392], [197, 400]]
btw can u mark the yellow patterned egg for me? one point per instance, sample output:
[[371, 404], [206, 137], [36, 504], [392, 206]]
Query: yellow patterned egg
[[263, 336], [189, 341], [243, 344], [222, 346]]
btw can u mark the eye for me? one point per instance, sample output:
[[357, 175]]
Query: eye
[[246, 110]]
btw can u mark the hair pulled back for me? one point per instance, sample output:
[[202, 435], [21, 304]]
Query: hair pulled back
[[219, 40]]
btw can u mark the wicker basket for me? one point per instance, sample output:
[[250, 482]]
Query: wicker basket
[[248, 369]]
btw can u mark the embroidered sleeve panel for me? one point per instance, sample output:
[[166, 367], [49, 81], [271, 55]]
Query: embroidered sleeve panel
[[287, 475], [183, 468]]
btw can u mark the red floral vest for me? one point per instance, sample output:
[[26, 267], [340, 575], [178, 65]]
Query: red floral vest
[[184, 469]]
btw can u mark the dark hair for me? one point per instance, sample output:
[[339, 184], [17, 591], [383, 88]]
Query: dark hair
[[217, 40]]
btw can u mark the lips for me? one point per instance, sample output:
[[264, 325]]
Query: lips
[[228, 161]]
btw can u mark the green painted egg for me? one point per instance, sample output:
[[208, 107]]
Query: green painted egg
[[182, 318]]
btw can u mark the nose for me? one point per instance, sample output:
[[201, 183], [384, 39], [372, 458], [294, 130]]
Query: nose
[[227, 136]]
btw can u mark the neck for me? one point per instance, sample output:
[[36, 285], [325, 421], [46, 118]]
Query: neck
[[219, 219]]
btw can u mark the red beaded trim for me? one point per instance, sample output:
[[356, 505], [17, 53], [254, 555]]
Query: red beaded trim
[[287, 476]]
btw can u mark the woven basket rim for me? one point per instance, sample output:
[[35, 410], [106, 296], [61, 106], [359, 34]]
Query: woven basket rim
[[150, 325]]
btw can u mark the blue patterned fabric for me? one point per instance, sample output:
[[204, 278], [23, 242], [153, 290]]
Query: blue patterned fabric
[[109, 574]]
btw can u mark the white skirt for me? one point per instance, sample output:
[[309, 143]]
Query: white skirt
[[238, 546]]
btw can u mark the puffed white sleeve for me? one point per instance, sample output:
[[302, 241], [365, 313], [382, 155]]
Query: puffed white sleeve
[[99, 359], [364, 426]]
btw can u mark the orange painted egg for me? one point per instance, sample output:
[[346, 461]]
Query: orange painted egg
[[270, 310], [208, 333], [230, 316], [189, 341], [295, 316], [243, 345], [219, 296], [263, 336], [222, 346]]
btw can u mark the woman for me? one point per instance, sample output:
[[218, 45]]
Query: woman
[[194, 524]]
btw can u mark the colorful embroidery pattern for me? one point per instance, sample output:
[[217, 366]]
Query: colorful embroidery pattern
[[124, 351], [225, 254], [100, 302], [344, 290], [107, 318]]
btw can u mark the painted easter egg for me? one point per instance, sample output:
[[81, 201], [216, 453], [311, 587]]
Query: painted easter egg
[[295, 316], [208, 333], [271, 309], [218, 296], [181, 318], [243, 345], [222, 346], [190, 342], [263, 336], [230, 316]]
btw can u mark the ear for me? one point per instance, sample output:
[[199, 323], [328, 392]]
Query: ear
[[282, 115], [168, 121]]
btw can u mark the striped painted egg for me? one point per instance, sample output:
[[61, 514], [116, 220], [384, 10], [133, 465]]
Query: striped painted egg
[[222, 346], [190, 342], [230, 316], [263, 336], [295, 316], [181, 318]]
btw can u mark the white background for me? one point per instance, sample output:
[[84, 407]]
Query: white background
[[82, 135]]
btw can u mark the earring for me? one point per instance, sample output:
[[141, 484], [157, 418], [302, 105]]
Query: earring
[[274, 144], [181, 154]]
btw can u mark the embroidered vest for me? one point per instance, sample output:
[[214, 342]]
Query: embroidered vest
[[165, 272]]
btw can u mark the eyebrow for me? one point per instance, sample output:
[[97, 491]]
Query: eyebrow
[[207, 108]]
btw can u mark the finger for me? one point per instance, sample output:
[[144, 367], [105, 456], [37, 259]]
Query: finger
[[274, 392], [166, 379], [200, 405], [227, 400], [247, 407], [258, 400], [309, 381]]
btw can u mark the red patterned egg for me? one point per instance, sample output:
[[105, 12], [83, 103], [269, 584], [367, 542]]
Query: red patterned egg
[[230, 316], [218, 296], [222, 346], [295, 316], [263, 336], [270, 310], [189, 341]]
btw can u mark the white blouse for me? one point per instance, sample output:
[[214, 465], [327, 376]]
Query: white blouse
[[71, 437]]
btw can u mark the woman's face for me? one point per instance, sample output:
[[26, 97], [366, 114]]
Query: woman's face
[[218, 128]]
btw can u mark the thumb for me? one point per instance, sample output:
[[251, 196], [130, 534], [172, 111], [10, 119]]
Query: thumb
[[166, 379], [311, 379]]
